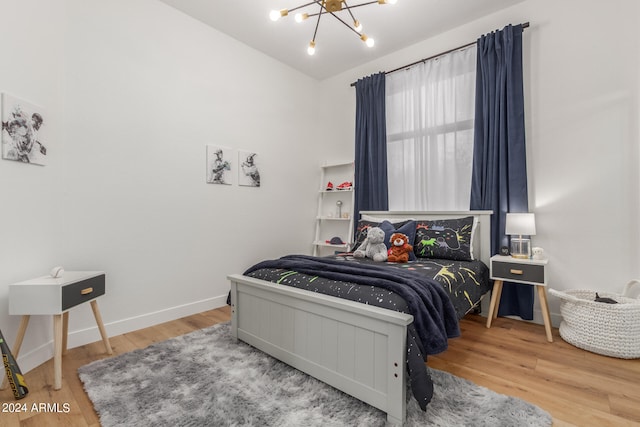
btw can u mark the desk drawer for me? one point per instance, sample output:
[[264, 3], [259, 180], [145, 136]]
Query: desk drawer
[[82, 291], [517, 272]]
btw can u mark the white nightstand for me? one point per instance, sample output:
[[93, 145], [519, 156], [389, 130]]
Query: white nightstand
[[55, 296], [517, 270]]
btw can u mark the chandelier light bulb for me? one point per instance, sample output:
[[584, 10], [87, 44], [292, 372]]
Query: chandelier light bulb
[[277, 14], [367, 40], [312, 48], [301, 17], [387, 1], [357, 26]]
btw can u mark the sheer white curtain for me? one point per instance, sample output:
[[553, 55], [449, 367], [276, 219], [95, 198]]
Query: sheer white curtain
[[430, 110]]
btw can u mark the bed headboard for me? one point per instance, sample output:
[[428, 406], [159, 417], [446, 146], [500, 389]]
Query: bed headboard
[[482, 238]]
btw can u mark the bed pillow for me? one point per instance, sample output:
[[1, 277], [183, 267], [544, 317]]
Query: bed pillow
[[361, 231], [365, 224], [445, 238], [407, 228]]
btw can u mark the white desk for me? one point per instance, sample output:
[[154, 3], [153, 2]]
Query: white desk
[[47, 295]]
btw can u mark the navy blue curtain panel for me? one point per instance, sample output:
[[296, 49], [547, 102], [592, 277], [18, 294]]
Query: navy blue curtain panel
[[372, 190], [499, 178]]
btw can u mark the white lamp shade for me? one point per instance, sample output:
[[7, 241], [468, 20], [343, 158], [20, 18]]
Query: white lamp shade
[[521, 224]]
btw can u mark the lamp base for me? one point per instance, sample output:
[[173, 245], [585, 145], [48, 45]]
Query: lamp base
[[520, 248]]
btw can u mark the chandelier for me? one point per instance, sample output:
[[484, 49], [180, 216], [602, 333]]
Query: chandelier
[[333, 7]]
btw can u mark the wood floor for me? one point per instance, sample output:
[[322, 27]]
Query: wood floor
[[578, 388]]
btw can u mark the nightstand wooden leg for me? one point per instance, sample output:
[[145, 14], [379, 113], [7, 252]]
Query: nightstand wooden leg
[[24, 322], [65, 331], [544, 307], [495, 302], [103, 331], [57, 351]]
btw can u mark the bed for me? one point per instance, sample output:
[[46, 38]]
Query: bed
[[359, 348]]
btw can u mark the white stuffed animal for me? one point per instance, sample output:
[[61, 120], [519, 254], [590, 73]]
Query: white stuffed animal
[[373, 246]]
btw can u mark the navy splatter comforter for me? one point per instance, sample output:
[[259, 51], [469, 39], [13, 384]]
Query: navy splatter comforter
[[436, 292]]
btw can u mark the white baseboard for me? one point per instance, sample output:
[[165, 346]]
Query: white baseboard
[[41, 354]]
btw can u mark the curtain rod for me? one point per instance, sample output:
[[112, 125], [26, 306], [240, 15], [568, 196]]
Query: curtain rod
[[524, 25]]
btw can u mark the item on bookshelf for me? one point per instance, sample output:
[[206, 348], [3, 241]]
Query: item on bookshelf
[[345, 215], [335, 241], [345, 186], [329, 186], [339, 205]]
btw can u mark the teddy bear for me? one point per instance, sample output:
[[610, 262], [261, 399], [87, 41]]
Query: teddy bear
[[400, 248], [373, 246]]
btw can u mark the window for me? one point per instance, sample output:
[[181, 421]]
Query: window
[[430, 111]]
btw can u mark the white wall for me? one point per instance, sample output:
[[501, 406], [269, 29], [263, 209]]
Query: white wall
[[135, 91], [582, 90], [29, 213]]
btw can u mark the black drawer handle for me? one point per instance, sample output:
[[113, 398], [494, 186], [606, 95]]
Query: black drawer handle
[[514, 271], [86, 291]]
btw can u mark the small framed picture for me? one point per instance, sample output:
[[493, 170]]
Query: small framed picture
[[24, 131], [249, 170], [220, 165]]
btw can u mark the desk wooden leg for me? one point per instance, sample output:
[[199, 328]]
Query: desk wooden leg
[[18, 343], [544, 307], [103, 331], [57, 351], [496, 293]]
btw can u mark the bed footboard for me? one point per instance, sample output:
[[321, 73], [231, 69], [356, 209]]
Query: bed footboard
[[356, 348]]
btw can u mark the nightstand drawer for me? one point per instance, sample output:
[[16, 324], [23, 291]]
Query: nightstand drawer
[[517, 272], [82, 291]]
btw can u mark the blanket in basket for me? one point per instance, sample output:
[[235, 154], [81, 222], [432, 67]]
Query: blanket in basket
[[608, 329]]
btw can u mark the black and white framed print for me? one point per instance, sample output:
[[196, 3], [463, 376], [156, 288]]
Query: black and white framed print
[[220, 165], [249, 170], [24, 131]]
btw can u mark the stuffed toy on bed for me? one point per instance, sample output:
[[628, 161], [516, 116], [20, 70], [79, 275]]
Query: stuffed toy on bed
[[373, 246], [400, 248]]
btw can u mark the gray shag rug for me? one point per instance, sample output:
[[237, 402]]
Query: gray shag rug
[[206, 379]]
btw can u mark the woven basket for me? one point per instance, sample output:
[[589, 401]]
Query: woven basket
[[608, 329]]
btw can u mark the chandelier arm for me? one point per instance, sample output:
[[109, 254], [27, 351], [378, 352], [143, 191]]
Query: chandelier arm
[[353, 18], [345, 24], [347, 7], [300, 7], [317, 23], [335, 16], [361, 4]]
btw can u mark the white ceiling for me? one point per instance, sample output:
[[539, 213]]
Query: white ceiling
[[337, 48]]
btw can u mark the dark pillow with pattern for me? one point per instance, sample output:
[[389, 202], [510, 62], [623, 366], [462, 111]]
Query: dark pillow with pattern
[[408, 228], [363, 228], [445, 239]]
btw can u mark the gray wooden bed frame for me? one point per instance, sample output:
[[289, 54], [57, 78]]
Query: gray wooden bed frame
[[356, 348]]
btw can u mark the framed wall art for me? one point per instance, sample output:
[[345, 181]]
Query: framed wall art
[[24, 131], [249, 170], [220, 165]]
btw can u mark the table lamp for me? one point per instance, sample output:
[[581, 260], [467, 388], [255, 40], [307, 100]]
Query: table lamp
[[520, 224]]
